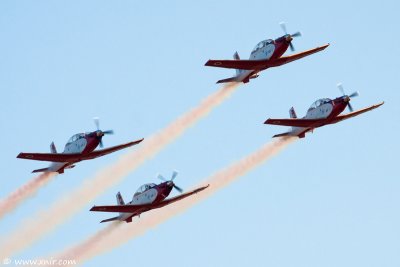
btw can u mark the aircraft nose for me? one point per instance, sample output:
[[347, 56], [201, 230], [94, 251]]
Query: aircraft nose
[[100, 133], [289, 38]]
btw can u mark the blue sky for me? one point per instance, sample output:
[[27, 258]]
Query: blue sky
[[329, 199]]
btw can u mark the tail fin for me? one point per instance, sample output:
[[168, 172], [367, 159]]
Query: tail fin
[[53, 148], [292, 113], [110, 219], [236, 57], [120, 200], [296, 131], [41, 170]]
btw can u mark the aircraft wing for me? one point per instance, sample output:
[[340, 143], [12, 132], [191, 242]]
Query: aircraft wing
[[356, 113], [296, 122], [145, 207], [237, 64], [311, 123], [74, 157], [287, 59], [53, 157], [261, 64]]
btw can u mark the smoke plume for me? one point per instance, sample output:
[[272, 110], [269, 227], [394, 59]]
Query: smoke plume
[[70, 204], [28, 190], [91, 247]]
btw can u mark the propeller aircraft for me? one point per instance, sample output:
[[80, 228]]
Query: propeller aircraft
[[322, 112], [266, 54], [147, 197], [79, 147]]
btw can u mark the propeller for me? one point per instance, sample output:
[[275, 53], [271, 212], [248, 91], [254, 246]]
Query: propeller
[[99, 132], [289, 37], [340, 86], [174, 174]]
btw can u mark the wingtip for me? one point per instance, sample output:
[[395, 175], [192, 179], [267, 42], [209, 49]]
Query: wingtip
[[137, 141]]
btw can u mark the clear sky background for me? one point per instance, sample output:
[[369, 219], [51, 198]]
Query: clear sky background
[[330, 199]]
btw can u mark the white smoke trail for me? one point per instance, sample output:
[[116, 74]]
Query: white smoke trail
[[28, 190], [91, 247], [66, 207]]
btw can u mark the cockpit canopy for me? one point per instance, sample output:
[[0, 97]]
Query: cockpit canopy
[[76, 137], [319, 102], [143, 188], [262, 44]]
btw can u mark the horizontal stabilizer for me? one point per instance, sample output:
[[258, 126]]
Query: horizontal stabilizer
[[110, 219], [41, 170], [299, 134], [282, 134], [228, 80], [243, 76]]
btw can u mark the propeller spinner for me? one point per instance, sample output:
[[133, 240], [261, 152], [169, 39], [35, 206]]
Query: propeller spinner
[[289, 37], [101, 133], [348, 97], [174, 174]]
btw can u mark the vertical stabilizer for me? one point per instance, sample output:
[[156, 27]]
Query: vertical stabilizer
[[292, 113], [236, 57], [120, 200], [53, 148]]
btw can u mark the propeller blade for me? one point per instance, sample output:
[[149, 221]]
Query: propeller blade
[[283, 26], [174, 174], [108, 132], [180, 190], [291, 46], [296, 34], [97, 122], [350, 107], [159, 176], [356, 93], [340, 86], [101, 143]]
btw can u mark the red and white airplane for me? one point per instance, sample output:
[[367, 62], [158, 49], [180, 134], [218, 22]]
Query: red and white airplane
[[322, 112], [147, 197], [79, 147], [266, 54]]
